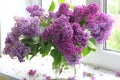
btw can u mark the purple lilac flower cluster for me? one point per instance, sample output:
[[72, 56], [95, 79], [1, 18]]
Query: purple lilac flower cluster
[[63, 10], [117, 73], [35, 10], [67, 35], [100, 27], [86, 74], [22, 27], [70, 36], [72, 78], [68, 30], [46, 77], [85, 12], [32, 72]]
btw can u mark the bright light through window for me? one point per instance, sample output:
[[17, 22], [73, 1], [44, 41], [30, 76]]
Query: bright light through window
[[113, 8], [46, 5]]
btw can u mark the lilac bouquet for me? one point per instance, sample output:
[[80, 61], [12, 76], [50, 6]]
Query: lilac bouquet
[[67, 34]]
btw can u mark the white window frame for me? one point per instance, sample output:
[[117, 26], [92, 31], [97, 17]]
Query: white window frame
[[0, 38], [103, 58], [0, 32]]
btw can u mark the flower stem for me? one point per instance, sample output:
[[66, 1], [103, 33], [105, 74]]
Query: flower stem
[[61, 69]]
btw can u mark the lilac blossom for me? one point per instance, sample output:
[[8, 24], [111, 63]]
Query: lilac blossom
[[117, 73], [48, 78], [52, 15], [11, 38], [86, 74], [72, 78], [47, 33], [79, 13], [62, 30], [68, 47], [73, 59], [100, 28], [24, 79], [71, 17], [32, 30], [92, 9], [35, 10], [63, 10], [79, 36], [22, 22], [32, 72], [16, 49], [59, 22], [67, 32], [17, 30], [85, 12], [27, 27], [20, 50]]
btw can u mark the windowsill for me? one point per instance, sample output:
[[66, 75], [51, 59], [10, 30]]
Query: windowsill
[[20, 70]]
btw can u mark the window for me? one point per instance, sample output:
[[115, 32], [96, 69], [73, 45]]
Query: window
[[113, 8]]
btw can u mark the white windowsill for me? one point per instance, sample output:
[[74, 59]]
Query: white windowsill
[[20, 70]]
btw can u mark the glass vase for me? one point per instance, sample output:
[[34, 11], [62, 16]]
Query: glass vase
[[65, 72]]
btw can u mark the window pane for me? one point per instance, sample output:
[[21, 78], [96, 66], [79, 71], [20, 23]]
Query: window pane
[[113, 8]]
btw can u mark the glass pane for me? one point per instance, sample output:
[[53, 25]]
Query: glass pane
[[113, 8]]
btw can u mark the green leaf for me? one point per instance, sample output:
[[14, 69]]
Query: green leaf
[[43, 23], [27, 41], [52, 6], [36, 39], [34, 50], [71, 7], [82, 22], [86, 51], [91, 45], [93, 41], [58, 57], [61, 1], [89, 74], [66, 68], [46, 49], [27, 56]]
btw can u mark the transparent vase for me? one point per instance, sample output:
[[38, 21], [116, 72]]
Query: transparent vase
[[65, 72]]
